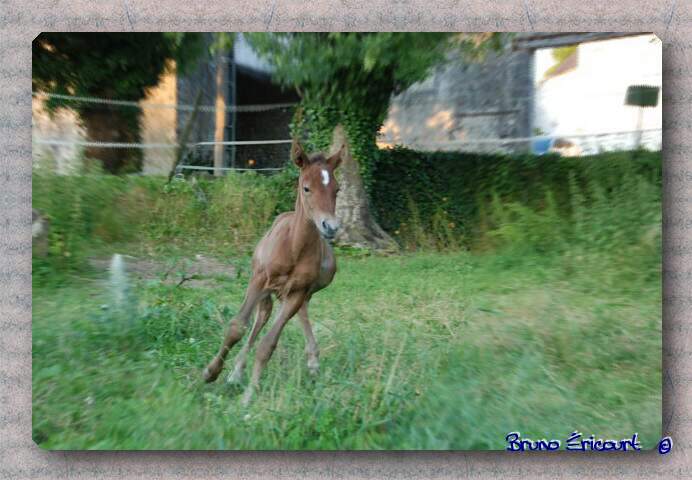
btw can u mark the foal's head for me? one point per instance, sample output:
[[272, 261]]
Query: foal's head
[[317, 188]]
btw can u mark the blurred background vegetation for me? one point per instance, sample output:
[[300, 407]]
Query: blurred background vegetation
[[439, 200]]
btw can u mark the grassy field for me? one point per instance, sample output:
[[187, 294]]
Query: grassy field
[[418, 351]]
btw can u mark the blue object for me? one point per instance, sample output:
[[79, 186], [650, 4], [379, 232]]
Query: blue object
[[541, 146]]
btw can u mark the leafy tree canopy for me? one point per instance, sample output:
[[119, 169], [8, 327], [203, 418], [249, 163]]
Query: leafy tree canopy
[[112, 65], [360, 67]]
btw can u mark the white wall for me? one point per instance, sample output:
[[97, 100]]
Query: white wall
[[591, 98], [63, 125]]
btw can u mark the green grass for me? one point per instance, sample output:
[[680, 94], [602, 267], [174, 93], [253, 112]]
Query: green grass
[[420, 351], [552, 324]]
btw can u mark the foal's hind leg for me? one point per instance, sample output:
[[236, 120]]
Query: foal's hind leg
[[311, 349], [266, 347], [236, 328], [264, 311]]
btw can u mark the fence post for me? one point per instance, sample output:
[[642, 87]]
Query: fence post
[[182, 141], [221, 100]]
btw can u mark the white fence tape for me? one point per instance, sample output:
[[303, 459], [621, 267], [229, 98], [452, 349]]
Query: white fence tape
[[587, 143], [577, 144], [187, 108], [242, 142], [500, 141], [80, 143], [197, 167], [488, 141]]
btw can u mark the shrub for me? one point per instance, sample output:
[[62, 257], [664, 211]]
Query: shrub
[[225, 216], [492, 200], [85, 211], [438, 201], [89, 211]]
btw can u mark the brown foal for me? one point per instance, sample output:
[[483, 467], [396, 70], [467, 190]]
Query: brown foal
[[292, 261]]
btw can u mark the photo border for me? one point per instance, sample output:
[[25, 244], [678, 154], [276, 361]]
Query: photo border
[[20, 22]]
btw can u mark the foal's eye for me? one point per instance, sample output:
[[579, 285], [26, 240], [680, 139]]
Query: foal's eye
[[306, 189]]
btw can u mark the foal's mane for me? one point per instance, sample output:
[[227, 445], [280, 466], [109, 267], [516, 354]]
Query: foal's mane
[[317, 158]]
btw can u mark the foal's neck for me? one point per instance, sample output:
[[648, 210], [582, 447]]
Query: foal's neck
[[304, 234]]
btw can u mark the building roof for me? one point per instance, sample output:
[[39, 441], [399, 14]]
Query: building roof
[[245, 57], [533, 40]]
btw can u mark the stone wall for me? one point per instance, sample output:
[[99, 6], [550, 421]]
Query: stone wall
[[464, 101]]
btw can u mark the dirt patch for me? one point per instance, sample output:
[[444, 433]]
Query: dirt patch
[[194, 272]]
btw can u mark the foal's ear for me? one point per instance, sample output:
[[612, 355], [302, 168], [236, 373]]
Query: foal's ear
[[298, 154], [335, 160]]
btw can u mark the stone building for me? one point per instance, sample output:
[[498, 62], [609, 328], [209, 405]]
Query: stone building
[[464, 101], [580, 93], [473, 106]]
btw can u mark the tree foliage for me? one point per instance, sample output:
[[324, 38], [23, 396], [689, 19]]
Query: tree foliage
[[350, 77], [109, 65], [350, 67], [112, 65]]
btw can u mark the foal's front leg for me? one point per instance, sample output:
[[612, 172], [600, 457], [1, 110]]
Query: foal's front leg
[[289, 307], [311, 349]]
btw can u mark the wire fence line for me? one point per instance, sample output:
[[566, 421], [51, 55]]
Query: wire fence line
[[142, 105], [534, 138], [243, 142], [224, 169], [461, 142], [81, 143], [585, 143], [271, 106], [570, 144]]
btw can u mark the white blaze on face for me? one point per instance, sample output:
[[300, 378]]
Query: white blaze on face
[[325, 177]]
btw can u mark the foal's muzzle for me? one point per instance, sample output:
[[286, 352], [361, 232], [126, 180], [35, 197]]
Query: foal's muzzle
[[328, 228]]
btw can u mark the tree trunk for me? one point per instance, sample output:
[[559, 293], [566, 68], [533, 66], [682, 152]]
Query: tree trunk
[[358, 226], [110, 125]]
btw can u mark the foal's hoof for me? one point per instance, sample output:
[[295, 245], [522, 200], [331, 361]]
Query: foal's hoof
[[247, 396], [313, 368], [211, 373], [235, 377], [208, 376]]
